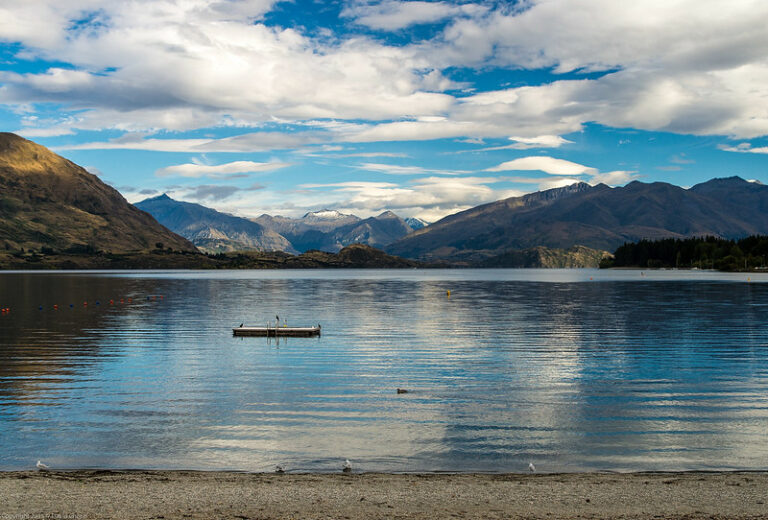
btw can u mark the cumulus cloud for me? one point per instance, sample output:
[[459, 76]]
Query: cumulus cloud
[[220, 170], [203, 64], [545, 164], [661, 75], [163, 64]]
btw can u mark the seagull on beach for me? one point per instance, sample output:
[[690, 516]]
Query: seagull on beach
[[41, 466], [531, 467], [347, 466], [279, 469]]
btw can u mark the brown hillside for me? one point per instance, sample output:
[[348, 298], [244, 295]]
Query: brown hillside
[[46, 200]]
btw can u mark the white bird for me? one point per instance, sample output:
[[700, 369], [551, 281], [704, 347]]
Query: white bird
[[347, 466], [531, 467], [41, 466], [279, 469]]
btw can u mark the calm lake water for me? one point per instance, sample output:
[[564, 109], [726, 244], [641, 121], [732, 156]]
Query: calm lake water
[[572, 370]]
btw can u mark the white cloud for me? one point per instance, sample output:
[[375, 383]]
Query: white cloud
[[248, 142], [52, 131], [350, 185], [541, 141], [391, 15], [181, 65], [221, 170], [545, 164], [524, 143], [430, 198], [668, 77], [744, 148], [370, 154], [561, 168], [394, 169], [556, 182], [149, 58], [551, 33], [613, 178]]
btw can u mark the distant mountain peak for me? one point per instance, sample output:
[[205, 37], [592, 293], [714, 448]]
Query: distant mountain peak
[[387, 214], [416, 223], [163, 197], [733, 180], [727, 184], [325, 214]]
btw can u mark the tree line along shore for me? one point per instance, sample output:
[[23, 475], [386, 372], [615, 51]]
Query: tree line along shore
[[746, 254]]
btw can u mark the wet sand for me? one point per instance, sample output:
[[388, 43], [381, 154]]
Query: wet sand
[[73, 495]]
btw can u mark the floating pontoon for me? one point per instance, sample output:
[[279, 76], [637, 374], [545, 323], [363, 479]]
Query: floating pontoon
[[295, 332]]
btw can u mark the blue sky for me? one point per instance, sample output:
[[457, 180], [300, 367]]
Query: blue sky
[[423, 108]]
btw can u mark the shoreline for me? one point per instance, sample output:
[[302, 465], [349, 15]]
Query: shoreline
[[177, 494]]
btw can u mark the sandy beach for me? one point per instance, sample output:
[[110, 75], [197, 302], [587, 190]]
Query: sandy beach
[[73, 495]]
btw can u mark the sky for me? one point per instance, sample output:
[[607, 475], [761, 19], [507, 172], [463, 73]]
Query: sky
[[422, 108]]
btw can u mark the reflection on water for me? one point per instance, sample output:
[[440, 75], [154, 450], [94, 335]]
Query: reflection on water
[[573, 370]]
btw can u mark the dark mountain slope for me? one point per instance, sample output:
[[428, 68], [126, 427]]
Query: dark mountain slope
[[597, 217], [48, 201]]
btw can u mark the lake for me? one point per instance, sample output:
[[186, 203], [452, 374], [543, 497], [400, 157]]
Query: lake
[[573, 370]]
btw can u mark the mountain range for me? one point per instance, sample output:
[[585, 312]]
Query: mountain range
[[326, 230], [598, 217], [212, 231], [49, 202], [330, 230]]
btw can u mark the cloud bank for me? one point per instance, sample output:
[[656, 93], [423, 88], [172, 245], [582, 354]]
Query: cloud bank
[[148, 65]]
